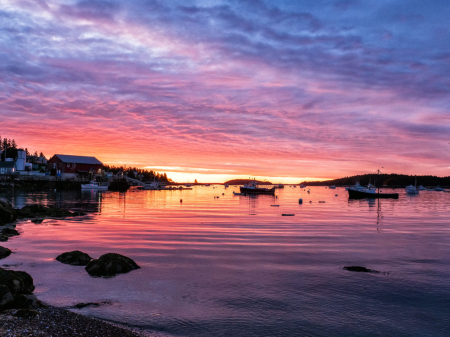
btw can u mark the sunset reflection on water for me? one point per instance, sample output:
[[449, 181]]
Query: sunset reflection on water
[[234, 265]]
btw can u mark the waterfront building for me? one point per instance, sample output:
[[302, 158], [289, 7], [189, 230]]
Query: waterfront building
[[68, 165]]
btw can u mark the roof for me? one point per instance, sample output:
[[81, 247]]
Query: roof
[[78, 159], [7, 164]]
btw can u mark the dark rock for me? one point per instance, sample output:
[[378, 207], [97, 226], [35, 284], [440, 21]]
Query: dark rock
[[19, 282], [37, 220], [9, 232], [6, 298], [26, 302], [90, 304], [3, 238], [75, 258], [360, 269], [111, 264], [40, 211], [7, 213], [4, 252]]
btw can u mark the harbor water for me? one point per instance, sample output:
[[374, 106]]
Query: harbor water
[[235, 266]]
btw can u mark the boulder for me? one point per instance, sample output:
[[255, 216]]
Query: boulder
[[26, 302], [18, 282], [7, 212], [6, 298], [75, 258], [111, 264], [9, 232], [4, 252]]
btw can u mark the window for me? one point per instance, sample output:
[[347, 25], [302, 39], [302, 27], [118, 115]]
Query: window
[[54, 165], [68, 165]]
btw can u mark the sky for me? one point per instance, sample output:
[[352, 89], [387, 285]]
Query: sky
[[215, 89]]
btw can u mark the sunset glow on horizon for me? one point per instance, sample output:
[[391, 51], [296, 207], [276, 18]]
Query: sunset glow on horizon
[[224, 89]]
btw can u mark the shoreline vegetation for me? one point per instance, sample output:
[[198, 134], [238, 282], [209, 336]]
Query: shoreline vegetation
[[390, 180], [22, 314]]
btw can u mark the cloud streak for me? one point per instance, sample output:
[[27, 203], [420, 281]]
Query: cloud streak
[[274, 90]]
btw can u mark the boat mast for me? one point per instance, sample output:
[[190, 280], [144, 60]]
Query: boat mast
[[378, 181]]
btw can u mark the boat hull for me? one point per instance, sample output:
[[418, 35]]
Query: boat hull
[[355, 194], [246, 190]]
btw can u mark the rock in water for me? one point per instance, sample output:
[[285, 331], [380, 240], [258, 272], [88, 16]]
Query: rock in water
[[40, 211], [111, 264], [4, 252], [360, 269], [75, 258], [9, 232], [7, 213], [18, 282]]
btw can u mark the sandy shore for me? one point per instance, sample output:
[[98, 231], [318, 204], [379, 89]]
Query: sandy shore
[[52, 322]]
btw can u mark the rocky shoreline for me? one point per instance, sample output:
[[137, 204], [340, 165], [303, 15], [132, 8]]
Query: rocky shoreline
[[22, 314], [52, 321]]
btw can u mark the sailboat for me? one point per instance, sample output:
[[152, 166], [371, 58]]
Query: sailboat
[[412, 189]]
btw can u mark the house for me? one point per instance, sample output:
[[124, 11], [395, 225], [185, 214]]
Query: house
[[7, 167], [73, 165]]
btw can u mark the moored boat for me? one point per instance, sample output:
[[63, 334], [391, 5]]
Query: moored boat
[[369, 193], [93, 185], [411, 190], [252, 188]]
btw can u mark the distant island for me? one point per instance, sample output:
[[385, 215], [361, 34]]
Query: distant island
[[246, 181], [386, 180]]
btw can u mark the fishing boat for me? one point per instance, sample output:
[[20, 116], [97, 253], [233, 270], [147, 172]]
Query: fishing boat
[[252, 188], [358, 192], [93, 185]]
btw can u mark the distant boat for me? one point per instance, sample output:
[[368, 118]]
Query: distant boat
[[207, 185], [421, 188], [411, 190], [280, 186], [226, 185], [332, 187], [252, 188], [302, 185], [238, 193], [438, 188], [93, 185]]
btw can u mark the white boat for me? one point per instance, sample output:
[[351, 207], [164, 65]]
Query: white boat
[[152, 186], [93, 185], [421, 188], [411, 190], [332, 187]]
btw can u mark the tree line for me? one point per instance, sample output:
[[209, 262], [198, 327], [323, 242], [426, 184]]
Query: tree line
[[144, 175], [385, 179], [10, 149]]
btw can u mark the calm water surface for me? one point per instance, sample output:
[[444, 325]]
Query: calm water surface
[[233, 266]]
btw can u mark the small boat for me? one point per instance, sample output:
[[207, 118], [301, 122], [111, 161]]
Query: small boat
[[421, 188], [226, 185], [439, 189], [411, 190], [154, 185], [238, 193], [302, 185], [93, 185], [252, 188], [207, 185], [280, 186], [332, 187]]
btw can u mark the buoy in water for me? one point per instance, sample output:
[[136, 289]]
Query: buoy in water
[[300, 201], [335, 195], [181, 200]]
